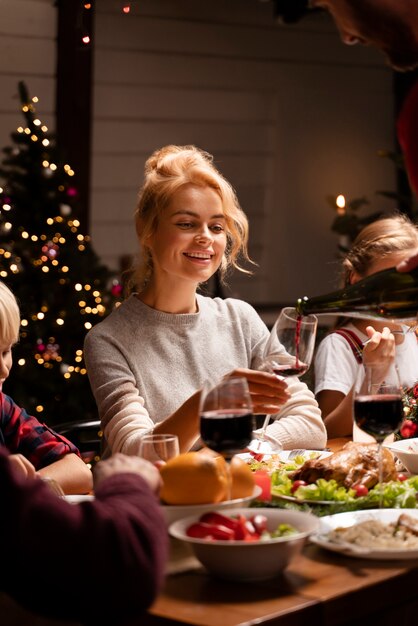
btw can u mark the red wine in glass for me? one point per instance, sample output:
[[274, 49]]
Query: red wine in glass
[[226, 418], [378, 405], [378, 415], [227, 432], [288, 352], [299, 369]]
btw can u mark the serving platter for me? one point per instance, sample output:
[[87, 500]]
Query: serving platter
[[338, 520], [310, 502]]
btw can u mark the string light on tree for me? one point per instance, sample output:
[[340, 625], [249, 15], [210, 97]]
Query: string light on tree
[[51, 267]]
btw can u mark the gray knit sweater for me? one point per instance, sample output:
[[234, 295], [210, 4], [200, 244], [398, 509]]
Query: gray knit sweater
[[143, 364]]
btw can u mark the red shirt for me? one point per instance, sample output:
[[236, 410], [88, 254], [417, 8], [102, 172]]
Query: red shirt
[[407, 131], [22, 433]]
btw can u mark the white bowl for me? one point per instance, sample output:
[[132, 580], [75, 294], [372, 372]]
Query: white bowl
[[174, 512], [407, 452], [250, 561]]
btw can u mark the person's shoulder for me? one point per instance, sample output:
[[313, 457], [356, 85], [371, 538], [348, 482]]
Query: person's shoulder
[[338, 339], [116, 319], [230, 304]]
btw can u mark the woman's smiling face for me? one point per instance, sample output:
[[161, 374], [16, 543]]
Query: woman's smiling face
[[190, 239]]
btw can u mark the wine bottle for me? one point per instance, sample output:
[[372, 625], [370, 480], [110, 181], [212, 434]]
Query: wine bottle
[[387, 294]]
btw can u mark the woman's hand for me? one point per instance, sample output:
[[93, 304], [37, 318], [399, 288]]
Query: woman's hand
[[22, 466], [268, 392]]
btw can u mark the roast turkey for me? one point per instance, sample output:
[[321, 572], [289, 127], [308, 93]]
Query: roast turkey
[[354, 464]]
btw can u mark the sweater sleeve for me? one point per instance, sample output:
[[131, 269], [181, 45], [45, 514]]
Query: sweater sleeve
[[299, 423], [101, 560], [122, 412]]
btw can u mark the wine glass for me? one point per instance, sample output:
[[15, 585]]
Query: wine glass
[[226, 418], [288, 352], [378, 404], [159, 448]]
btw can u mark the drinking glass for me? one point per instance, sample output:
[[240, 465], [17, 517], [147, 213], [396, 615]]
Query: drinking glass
[[226, 418], [159, 449], [378, 404], [288, 352]]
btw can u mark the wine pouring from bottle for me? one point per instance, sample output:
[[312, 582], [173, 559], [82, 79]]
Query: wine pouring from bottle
[[387, 294]]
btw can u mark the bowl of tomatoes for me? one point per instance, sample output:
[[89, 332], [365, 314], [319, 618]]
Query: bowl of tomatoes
[[246, 544]]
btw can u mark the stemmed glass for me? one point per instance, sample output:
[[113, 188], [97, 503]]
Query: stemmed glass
[[158, 449], [226, 418], [378, 405], [288, 352]]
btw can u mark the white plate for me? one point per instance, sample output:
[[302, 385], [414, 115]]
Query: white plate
[[78, 498], [330, 522], [307, 454], [175, 512], [303, 501], [283, 456]]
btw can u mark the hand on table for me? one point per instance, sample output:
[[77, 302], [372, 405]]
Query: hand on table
[[121, 463], [22, 466]]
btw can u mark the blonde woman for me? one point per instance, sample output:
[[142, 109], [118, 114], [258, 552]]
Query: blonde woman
[[384, 243], [148, 360]]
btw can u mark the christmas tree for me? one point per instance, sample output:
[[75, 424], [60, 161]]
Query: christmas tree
[[51, 267]]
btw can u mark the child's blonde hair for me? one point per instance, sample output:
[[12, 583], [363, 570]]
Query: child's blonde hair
[[9, 316], [377, 240]]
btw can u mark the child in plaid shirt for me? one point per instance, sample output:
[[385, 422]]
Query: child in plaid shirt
[[36, 450]]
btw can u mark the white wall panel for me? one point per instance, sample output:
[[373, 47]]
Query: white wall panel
[[28, 53], [289, 113]]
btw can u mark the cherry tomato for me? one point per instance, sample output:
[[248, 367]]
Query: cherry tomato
[[297, 484], [402, 476], [219, 520], [259, 522], [245, 530], [257, 456], [361, 490], [200, 530]]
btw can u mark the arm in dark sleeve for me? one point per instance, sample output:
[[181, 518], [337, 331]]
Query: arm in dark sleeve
[[98, 560]]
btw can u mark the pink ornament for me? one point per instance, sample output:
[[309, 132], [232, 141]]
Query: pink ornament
[[116, 290], [408, 429], [72, 191], [50, 249]]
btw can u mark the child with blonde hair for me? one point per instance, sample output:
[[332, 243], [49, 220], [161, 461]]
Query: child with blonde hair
[[35, 449], [380, 245]]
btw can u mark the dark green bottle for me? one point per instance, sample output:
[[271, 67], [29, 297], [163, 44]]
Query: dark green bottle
[[387, 294]]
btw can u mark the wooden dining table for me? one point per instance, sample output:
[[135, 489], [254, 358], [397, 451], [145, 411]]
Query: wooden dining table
[[319, 588]]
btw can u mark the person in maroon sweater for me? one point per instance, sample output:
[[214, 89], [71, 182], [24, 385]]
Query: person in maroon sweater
[[97, 561]]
